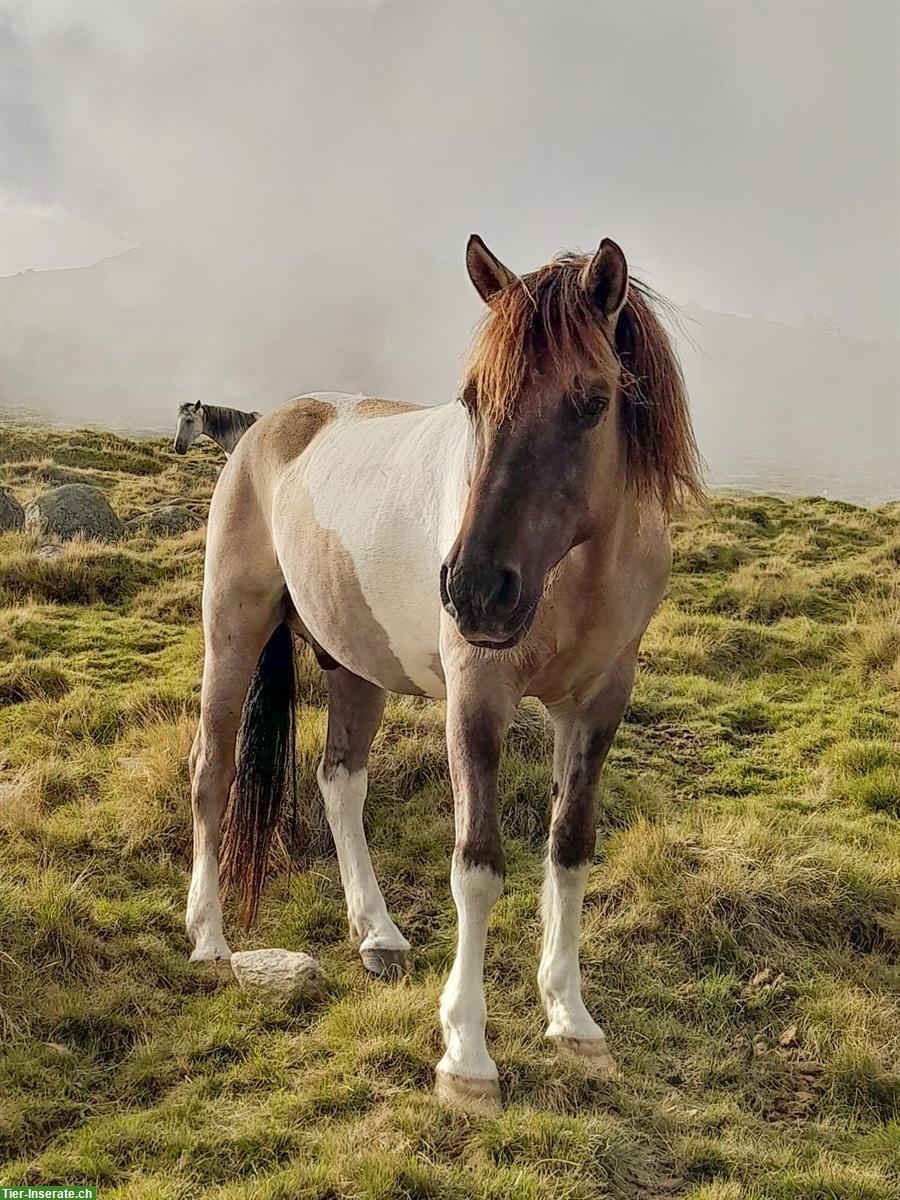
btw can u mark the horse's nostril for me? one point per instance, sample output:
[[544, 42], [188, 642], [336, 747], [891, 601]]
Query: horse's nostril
[[445, 593], [508, 590]]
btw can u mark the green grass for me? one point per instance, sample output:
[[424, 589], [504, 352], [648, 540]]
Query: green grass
[[742, 927]]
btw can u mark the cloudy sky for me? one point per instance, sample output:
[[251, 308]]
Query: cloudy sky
[[745, 154]]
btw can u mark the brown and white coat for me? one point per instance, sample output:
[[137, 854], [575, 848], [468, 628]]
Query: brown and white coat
[[510, 543]]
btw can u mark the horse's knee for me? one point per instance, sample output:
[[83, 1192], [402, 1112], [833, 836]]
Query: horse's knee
[[480, 853], [572, 835], [195, 752], [476, 886]]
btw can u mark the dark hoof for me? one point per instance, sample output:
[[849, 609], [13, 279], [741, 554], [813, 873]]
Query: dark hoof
[[384, 963], [593, 1052], [480, 1097], [214, 968]]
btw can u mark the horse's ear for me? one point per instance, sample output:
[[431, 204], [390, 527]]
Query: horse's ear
[[487, 272], [198, 406], [605, 279]]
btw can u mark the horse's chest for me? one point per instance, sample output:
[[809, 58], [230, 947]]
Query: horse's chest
[[593, 618]]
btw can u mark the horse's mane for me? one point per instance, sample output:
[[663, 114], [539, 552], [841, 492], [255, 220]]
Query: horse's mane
[[217, 422], [546, 322]]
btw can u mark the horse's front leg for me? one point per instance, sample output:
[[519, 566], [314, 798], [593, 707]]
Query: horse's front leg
[[479, 712], [583, 735]]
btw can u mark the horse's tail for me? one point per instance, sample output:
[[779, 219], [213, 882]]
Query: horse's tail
[[266, 774]]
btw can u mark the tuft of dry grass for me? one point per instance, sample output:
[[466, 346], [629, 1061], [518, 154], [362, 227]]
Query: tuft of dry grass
[[872, 636]]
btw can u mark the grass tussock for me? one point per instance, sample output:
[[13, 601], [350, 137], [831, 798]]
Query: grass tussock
[[741, 933]]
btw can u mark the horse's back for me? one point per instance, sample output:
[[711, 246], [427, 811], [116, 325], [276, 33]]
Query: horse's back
[[279, 437]]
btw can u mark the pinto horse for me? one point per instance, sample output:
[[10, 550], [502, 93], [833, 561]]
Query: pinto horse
[[511, 543]]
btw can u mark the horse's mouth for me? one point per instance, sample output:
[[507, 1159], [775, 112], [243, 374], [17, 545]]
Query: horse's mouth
[[514, 638]]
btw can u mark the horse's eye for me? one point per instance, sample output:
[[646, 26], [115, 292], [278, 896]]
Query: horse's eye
[[592, 405]]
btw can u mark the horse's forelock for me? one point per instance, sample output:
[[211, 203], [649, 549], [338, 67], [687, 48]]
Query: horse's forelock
[[545, 322]]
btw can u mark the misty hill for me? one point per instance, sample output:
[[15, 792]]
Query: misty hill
[[124, 341], [794, 410]]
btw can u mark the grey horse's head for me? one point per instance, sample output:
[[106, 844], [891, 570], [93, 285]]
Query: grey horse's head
[[189, 427]]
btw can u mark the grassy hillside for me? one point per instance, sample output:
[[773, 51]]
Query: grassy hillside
[[742, 931]]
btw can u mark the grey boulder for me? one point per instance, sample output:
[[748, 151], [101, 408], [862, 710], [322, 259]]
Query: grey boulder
[[72, 510], [12, 514], [167, 521]]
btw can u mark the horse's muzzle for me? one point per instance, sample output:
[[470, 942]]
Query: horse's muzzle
[[486, 602]]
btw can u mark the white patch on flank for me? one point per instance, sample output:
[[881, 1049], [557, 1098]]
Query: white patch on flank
[[370, 925], [384, 486], [559, 975], [463, 1008]]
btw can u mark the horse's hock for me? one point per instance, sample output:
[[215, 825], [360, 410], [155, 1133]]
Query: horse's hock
[[73, 510]]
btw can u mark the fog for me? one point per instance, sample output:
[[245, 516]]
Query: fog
[[300, 180]]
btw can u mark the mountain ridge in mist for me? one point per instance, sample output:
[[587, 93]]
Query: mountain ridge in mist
[[122, 342]]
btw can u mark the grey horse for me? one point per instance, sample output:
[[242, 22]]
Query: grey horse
[[226, 426]]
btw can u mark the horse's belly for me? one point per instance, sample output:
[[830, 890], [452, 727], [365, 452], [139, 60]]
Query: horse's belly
[[368, 592], [381, 624], [406, 610]]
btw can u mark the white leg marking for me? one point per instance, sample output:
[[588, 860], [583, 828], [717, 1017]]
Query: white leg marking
[[370, 925], [204, 910], [463, 1008], [559, 975]]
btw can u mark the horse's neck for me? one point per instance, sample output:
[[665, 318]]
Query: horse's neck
[[225, 426], [629, 543]]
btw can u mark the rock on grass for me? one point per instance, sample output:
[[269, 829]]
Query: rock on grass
[[284, 974], [75, 509], [12, 515], [168, 521]]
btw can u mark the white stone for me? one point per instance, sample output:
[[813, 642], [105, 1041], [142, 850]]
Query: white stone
[[286, 974]]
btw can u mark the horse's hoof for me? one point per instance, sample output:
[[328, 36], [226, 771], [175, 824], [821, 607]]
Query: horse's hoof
[[385, 963], [215, 965], [210, 952], [480, 1097], [593, 1052]]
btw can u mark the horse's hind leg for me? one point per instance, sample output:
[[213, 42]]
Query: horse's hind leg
[[355, 708], [237, 622]]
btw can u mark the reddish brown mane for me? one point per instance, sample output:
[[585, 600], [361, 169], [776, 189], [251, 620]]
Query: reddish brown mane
[[546, 323]]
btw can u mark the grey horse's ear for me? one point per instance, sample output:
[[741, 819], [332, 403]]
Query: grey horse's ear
[[487, 272], [198, 406], [605, 279]]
